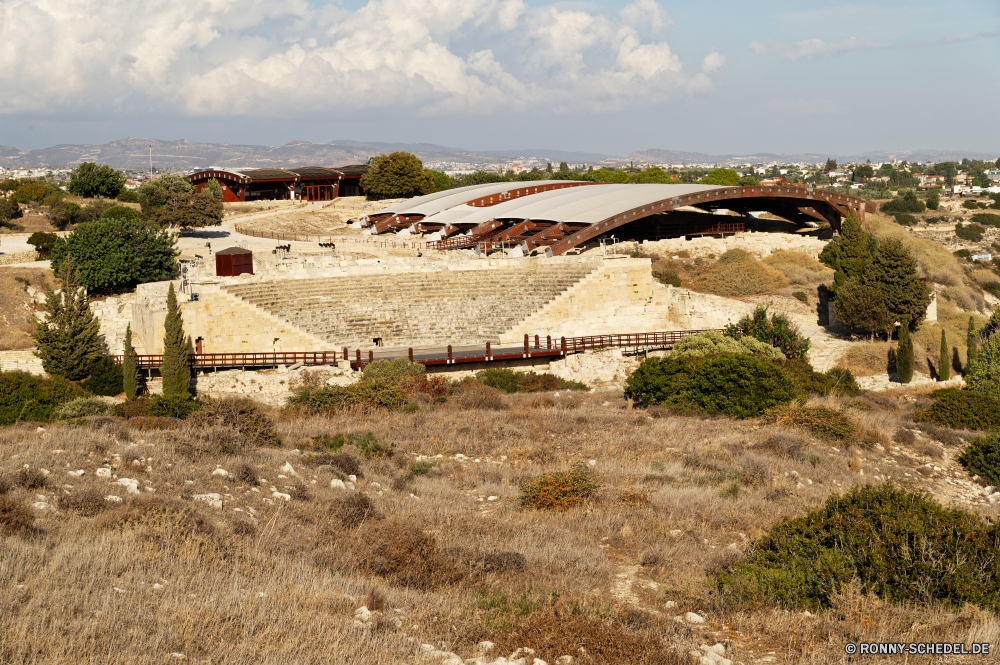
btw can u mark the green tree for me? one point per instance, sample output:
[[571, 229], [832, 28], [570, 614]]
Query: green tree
[[971, 345], [155, 193], [778, 330], [749, 181], [904, 354], [8, 210], [396, 175], [831, 164], [175, 370], [89, 180], [130, 366], [893, 271], [563, 167], [68, 339], [944, 366], [435, 181], [724, 177], [850, 254], [119, 250], [862, 306], [983, 375], [188, 211], [933, 201], [213, 189], [31, 190], [863, 172], [64, 213]]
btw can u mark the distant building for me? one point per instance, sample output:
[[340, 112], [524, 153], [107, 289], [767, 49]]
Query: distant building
[[310, 183]]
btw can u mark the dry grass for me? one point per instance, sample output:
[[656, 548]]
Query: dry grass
[[269, 581], [799, 267], [867, 358], [17, 314], [740, 278]]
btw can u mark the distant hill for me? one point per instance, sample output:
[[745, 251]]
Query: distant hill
[[134, 153]]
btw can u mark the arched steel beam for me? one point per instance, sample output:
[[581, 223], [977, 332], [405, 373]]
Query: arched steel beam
[[535, 187], [838, 205]]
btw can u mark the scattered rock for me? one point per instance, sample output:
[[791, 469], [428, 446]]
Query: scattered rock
[[280, 495], [157, 587], [338, 484], [131, 485], [288, 468], [220, 472], [694, 618], [77, 473], [213, 499], [118, 590], [670, 604], [113, 498], [43, 507], [104, 472]]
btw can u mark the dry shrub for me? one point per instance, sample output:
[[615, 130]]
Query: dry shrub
[[345, 463], [163, 516], [558, 491], [745, 277], [86, 503], [866, 358], [246, 474], [5, 485], [784, 444], [15, 517], [401, 553], [964, 298], [500, 562], [876, 426], [475, 395], [948, 437], [242, 414], [375, 600], [632, 496], [299, 492], [542, 402], [146, 423], [904, 437], [983, 276], [755, 470], [353, 510], [214, 441], [585, 637], [930, 450], [30, 479], [819, 421]]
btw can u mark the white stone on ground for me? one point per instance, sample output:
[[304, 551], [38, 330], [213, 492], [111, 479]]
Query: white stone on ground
[[213, 499]]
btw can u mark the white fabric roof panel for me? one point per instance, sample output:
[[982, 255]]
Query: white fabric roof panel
[[594, 204], [512, 209], [430, 204]]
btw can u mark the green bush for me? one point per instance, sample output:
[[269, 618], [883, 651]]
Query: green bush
[[369, 393], [901, 545], [667, 275], [31, 191], [24, 397], [82, 407], [961, 409], [372, 448], [821, 422], [970, 232], [908, 202], [128, 196], [173, 406], [509, 381], [741, 386], [105, 378], [970, 205], [395, 370], [777, 331], [905, 219], [713, 342], [982, 457], [992, 288], [558, 491], [962, 253], [986, 219], [807, 381], [43, 242]]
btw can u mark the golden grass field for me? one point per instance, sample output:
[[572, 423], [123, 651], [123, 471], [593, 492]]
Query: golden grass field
[[433, 536]]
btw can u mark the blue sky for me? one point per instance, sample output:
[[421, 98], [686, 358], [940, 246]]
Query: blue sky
[[606, 77]]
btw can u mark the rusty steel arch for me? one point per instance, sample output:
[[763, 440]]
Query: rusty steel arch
[[784, 201]]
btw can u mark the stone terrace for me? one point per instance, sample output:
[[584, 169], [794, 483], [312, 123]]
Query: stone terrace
[[404, 309]]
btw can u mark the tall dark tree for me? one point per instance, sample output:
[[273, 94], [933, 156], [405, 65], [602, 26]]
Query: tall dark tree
[[68, 339], [904, 353], [396, 175], [89, 180], [175, 370], [831, 164], [944, 369], [862, 306], [155, 193], [850, 254], [893, 271], [188, 211], [130, 366]]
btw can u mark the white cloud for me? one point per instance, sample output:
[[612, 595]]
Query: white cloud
[[817, 48], [712, 62], [254, 57], [757, 48]]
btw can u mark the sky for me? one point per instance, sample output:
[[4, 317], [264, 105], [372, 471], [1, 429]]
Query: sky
[[607, 76]]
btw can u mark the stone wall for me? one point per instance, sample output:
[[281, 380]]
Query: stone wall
[[21, 361], [114, 314], [757, 243]]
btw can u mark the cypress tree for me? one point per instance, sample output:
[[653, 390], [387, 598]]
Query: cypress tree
[[175, 370], [970, 342], [904, 354], [893, 271], [850, 254], [130, 369], [68, 340], [944, 371]]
